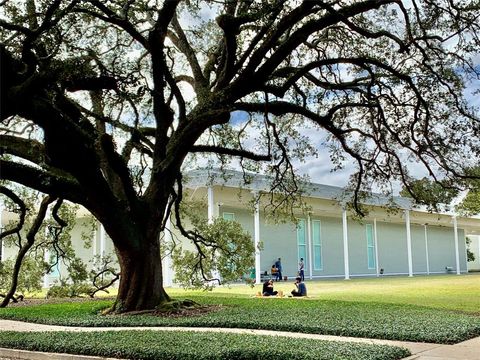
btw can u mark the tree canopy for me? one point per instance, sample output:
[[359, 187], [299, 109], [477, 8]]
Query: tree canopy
[[103, 102]]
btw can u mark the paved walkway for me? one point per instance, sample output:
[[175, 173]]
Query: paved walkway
[[468, 350]]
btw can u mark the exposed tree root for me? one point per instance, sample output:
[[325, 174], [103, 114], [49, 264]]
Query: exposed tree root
[[14, 298], [183, 308], [173, 308]]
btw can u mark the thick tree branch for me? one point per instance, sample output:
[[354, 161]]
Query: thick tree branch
[[41, 181], [180, 40], [91, 83], [274, 34], [280, 108], [365, 32], [15, 27], [28, 149], [164, 116], [22, 209], [260, 33], [233, 152], [300, 36]]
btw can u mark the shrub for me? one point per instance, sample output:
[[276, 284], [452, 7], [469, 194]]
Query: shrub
[[30, 276], [195, 346], [372, 320], [65, 290]]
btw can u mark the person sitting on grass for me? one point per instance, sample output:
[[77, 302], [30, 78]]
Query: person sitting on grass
[[300, 288], [268, 288]]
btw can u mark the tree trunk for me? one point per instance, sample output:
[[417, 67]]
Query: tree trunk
[[141, 280]]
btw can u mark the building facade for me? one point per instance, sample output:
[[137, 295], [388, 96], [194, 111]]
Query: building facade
[[394, 240]]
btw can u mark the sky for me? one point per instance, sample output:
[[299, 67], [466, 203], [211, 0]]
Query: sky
[[318, 168]]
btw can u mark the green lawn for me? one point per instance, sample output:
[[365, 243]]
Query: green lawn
[[449, 292], [442, 309], [378, 308]]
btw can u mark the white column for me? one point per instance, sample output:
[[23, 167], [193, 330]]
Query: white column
[[455, 229], [102, 240], [46, 258], [409, 243], [2, 255], [345, 244], [212, 213], [309, 239], [478, 254], [94, 242], [210, 204], [168, 272], [375, 241], [426, 250], [256, 226], [45, 277]]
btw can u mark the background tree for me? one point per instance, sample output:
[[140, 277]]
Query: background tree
[[433, 194], [222, 247], [35, 232], [470, 204], [103, 102], [470, 253], [462, 195]]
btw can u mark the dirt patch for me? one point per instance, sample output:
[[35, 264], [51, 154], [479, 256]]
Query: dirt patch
[[188, 312]]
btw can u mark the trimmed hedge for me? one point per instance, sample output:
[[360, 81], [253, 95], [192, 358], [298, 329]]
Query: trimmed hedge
[[372, 320], [195, 346]]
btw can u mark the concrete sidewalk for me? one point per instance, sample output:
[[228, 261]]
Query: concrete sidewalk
[[468, 350]]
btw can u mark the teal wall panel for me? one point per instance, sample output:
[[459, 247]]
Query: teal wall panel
[[332, 247], [357, 248], [419, 258], [441, 248], [392, 248], [462, 250]]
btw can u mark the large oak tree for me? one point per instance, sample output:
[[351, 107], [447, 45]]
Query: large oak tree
[[102, 102]]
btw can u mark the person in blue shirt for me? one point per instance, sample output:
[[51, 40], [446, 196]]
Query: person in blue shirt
[[278, 265], [300, 288]]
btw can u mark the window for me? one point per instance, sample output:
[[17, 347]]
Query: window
[[55, 271], [370, 247], [317, 245], [301, 240], [228, 216]]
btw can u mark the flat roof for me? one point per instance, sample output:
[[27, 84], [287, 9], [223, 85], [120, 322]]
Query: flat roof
[[261, 183]]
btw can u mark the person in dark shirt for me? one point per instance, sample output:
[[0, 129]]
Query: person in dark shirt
[[278, 265], [300, 288], [268, 288]]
